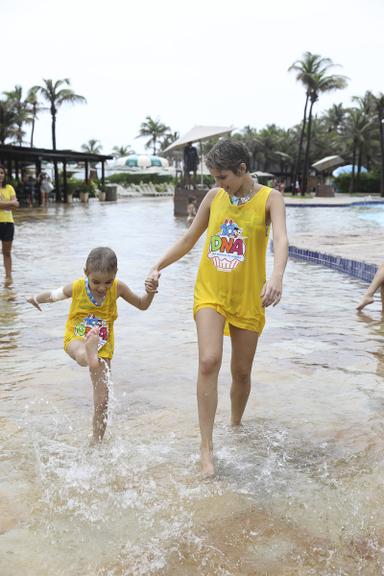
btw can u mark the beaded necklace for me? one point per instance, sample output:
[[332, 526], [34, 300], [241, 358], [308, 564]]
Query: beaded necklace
[[90, 295], [238, 200]]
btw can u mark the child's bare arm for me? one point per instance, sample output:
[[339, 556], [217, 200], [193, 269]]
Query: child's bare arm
[[141, 302], [50, 296]]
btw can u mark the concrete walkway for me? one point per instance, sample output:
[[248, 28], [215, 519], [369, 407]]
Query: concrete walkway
[[350, 253]]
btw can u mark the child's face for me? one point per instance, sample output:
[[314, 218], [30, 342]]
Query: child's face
[[228, 180], [100, 282]]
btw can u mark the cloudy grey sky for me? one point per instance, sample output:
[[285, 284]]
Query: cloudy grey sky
[[221, 62]]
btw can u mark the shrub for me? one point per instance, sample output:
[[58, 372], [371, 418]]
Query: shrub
[[369, 183]]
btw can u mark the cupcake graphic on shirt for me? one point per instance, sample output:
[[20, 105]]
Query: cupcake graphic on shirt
[[227, 247]]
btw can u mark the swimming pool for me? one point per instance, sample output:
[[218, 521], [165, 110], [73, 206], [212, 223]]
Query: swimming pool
[[299, 489]]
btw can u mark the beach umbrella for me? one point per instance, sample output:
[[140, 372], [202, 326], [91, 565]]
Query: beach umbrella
[[327, 163], [260, 174], [347, 169], [199, 134], [136, 162]]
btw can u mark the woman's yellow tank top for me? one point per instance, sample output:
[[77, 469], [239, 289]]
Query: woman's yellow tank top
[[6, 194], [83, 315], [232, 270]]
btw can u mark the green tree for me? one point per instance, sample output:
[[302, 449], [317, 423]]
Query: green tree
[[358, 127], [21, 113], [7, 120], [34, 108], [92, 146], [121, 151], [153, 128], [312, 71], [57, 93]]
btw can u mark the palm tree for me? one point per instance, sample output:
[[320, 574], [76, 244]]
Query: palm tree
[[54, 93], [311, 71], [34, 108], [379, 109], [121, 151], [333, 118], [21, 112], [92, 146], [321, 82], [153, 128], [7, 120], [357, 129]]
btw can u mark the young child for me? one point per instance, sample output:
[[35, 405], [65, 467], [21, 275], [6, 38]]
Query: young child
[[377, 282], [89, 337], [191, 209]]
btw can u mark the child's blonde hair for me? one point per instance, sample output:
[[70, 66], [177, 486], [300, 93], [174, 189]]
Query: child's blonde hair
[[101, 259]]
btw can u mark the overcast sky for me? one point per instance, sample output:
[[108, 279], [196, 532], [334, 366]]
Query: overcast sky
[[212, 62]]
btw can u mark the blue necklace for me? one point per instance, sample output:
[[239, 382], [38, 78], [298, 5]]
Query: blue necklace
[[238, 200], [90, 295]]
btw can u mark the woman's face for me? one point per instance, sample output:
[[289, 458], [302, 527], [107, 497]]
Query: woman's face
[[228, 180], [2, 175]]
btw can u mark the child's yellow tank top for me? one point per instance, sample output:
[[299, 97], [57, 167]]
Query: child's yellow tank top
[[232, 270], [83, 315]]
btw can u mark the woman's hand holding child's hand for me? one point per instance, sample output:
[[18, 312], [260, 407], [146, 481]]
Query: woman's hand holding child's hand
[[152, 282]]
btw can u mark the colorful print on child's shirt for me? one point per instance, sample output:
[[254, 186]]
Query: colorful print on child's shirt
[[227, 247], [86, 325]]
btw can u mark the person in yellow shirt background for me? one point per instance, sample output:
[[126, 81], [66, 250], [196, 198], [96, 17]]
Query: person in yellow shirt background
[[8, 203], [231, 290]]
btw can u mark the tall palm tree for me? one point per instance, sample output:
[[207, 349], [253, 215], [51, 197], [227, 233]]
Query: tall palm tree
[[311, 72], [56, 93], [7, 120], [321, 82], [379, 108], [21, 113], [357, 129], [153, 128], [34, 108]]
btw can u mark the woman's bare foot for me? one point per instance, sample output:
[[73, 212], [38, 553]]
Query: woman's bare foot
[[206, 459], [8, 281], [91, 348]]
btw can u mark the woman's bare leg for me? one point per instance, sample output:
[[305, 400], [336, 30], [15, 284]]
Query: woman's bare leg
[[210, 326], [7, 259], [244, 344]]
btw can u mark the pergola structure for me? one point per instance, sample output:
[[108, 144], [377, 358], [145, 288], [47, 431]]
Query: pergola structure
[[16, 157]]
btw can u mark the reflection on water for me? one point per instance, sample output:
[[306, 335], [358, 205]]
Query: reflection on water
[[299, 489]]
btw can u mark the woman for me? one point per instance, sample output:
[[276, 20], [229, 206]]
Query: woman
[[231, 289], [8, 203]]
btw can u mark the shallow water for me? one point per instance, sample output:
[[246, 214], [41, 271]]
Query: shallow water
[[299, 488]]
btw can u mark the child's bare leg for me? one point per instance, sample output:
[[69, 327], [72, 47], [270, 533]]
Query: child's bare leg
[[100, 377], [91, 348], [210, 327], [382, 297], [244, 344], [76, 350]]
